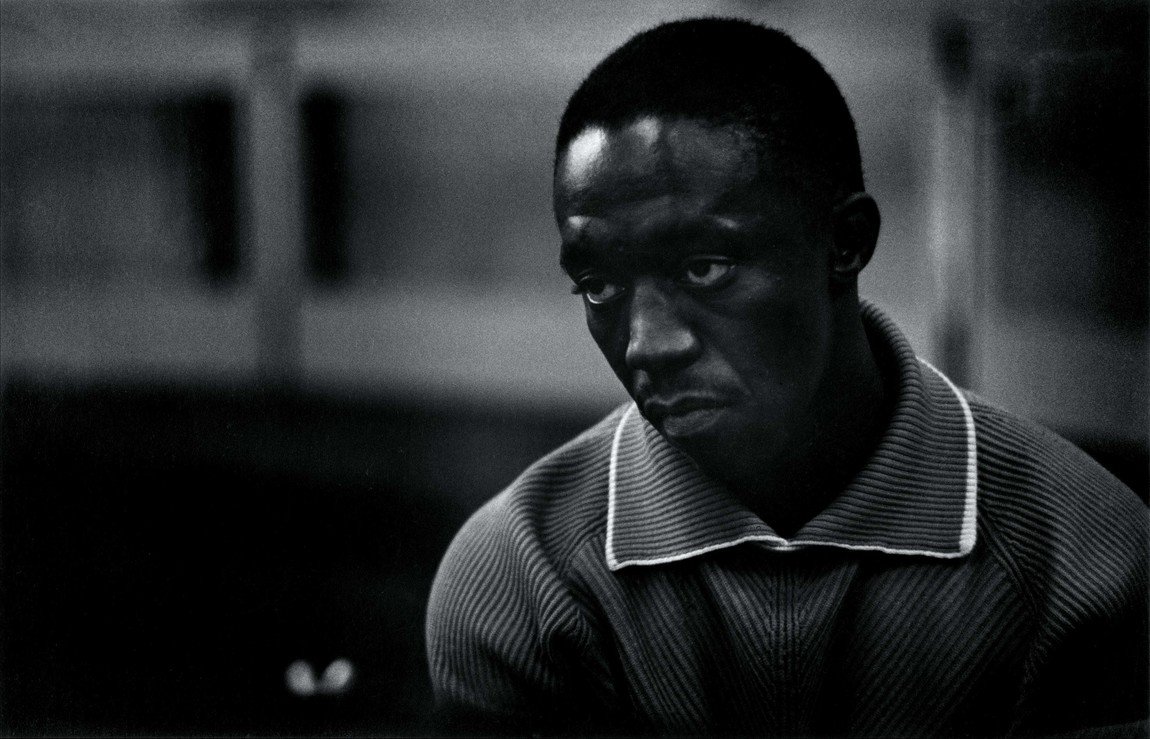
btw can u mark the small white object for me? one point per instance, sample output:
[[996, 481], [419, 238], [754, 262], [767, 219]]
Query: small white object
[[337, 677], [300, 678]]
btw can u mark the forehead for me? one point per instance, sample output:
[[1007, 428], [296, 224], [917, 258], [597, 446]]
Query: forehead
[[658, 189], [652, 157]]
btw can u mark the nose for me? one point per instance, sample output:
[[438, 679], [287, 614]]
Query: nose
[[659, 338]]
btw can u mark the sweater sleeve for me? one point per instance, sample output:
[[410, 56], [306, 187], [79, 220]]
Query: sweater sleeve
[[1074, 539], [510, 650], [1081, 549], [1086, 673]]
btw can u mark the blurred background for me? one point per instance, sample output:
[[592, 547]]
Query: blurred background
[[280, 306]]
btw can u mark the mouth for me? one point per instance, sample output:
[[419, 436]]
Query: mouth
[[659, 407], [683, 416]]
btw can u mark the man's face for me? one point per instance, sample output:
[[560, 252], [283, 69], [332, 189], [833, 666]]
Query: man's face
[[706, 288]]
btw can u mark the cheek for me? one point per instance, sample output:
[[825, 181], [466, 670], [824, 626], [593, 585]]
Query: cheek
[[791, 344], [776, 333], [604, 329]]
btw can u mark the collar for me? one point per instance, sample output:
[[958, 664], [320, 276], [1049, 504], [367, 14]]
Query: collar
[[916, 495]]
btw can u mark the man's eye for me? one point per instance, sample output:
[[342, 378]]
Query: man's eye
[[708, 272], [597, 290]]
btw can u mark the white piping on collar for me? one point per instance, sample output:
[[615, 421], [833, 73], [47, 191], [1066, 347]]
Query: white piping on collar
[[967, 536], [970, 510], [612, 474], [781, 545]]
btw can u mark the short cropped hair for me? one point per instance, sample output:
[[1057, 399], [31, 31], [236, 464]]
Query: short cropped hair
[[726, 71]]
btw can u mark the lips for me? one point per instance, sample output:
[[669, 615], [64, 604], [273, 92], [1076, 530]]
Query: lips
[[683, 416], [657, 408]]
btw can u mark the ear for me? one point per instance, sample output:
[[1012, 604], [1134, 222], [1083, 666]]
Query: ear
[[856, 221]]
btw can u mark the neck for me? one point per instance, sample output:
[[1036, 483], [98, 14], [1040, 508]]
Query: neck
[[847, 419]]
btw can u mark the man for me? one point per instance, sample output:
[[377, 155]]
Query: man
[[797, 528]]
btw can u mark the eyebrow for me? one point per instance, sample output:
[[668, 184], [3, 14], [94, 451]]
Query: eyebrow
[[573, 255]]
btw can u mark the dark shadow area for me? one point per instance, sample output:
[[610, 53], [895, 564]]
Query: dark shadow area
[[167, 554]]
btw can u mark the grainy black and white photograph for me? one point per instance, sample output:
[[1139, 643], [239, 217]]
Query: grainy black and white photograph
[[481, 368]]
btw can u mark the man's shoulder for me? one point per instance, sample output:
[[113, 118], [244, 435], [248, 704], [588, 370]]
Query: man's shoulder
[[576, 466], [1018, 457], [505, 584], [1052, 510], [557, 503]]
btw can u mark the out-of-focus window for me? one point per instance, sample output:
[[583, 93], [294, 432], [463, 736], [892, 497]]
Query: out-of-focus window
[[435, 181], [1074, 171], [118, 188]]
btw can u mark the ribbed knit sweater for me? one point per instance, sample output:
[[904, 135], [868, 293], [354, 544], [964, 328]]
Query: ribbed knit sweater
[[979, 576]]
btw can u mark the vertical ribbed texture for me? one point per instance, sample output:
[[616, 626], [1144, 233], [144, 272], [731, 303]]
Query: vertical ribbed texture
[[707, 622]]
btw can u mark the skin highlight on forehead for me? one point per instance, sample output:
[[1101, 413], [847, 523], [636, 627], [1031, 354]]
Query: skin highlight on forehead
[[582, 154], [652, 154], [648, 129], [657, 188], [706, 171]]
